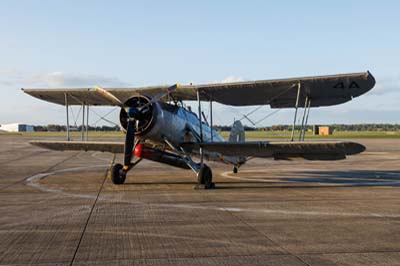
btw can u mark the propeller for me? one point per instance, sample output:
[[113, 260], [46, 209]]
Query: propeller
[[114, 100], [159, 96], [109, 96], [135, 115]]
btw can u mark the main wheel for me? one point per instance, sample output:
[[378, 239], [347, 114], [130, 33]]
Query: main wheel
[[235, 170], [205, 177], [118, 175]]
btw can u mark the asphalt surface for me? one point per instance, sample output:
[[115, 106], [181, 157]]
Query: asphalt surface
[[60, 208]]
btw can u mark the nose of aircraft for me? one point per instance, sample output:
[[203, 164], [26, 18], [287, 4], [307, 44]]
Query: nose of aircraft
[[133, 112]]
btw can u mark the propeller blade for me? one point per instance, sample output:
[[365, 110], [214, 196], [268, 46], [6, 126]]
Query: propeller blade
[[109, 96], [165, 93], [129, 142], [160, 95]]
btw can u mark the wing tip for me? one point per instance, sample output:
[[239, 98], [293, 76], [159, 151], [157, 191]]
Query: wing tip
[[352, 148], [371, 78], [370, 83]]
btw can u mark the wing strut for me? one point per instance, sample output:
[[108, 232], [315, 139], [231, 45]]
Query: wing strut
[[87, 122], [83, 122], [67, 110], [295, 113], [204, 175], [211, 121], [201, 128], [307, 106]]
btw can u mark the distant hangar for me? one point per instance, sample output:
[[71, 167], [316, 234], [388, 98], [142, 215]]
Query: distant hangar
[[17, 127]]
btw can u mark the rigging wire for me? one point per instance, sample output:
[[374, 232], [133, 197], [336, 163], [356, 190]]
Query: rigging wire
[[246, 116], [77, 116], [268, 115], [251, 112], [73, 115], [104, 117]]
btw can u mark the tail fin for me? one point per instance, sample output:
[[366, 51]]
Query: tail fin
[[237, 132], [237, 135]]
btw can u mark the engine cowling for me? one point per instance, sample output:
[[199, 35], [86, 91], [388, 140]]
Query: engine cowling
[[148, 114]]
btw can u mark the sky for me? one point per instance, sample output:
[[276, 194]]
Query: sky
[[50, 44]]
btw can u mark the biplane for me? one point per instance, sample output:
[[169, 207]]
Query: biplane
[[158, 127]]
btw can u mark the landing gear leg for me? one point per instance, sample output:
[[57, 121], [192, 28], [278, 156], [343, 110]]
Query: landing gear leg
[[203, 172], [235, 169]]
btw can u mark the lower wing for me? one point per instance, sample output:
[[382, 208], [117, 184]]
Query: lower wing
[[113, 147], [322, 150]]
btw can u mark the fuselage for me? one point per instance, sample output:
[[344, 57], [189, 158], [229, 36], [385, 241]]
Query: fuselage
[[178, 125]]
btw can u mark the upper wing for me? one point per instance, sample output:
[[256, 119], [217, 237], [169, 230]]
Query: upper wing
[[322, 150], [113, 147], [280, 93]]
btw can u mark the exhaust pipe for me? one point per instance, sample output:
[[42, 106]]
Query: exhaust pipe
[[141, 151]]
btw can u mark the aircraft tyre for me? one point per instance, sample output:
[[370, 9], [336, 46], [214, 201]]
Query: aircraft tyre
[[235, 169], [205, 177], [118, 176]]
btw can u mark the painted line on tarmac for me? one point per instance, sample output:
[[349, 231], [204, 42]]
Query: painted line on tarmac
[[95, 155], [272, 180], [33, 181], [128, 232], [228, 175], [285, 212]]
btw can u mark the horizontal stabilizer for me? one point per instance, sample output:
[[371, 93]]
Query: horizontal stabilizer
[[113, 147], [322, 150]]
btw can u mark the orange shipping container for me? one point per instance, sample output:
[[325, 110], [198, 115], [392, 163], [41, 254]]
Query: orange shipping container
[[325, 131]]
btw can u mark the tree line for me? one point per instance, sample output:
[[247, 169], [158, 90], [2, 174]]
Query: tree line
[[337, 127], [59, 128]]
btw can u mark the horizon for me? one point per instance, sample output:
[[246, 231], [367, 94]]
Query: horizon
[[218, 125]]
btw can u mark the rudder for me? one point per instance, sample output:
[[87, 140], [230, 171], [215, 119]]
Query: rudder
[[237, 132]]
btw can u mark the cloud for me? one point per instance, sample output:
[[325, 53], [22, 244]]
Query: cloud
[[231, 79], [56, 79], [31, 110], [386, 85], [381, 105], [227, 79], [60, 79]]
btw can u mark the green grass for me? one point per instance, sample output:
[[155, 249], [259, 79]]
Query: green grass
[[74, 135], [225, 134], [309, 135]]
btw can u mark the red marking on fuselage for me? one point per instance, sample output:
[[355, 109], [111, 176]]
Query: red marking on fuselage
[[138, 150]]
